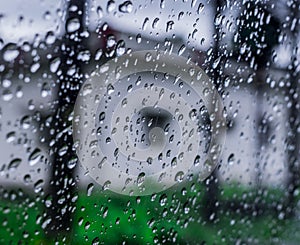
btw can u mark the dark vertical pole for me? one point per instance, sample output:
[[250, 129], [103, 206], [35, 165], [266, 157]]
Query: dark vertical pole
[[211, 183], [62, 182], [293, 145]]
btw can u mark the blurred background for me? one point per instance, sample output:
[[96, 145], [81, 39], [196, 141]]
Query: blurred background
[[251, 51]]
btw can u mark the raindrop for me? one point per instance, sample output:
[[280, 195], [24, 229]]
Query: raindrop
[[111, 5], [163, 200], [46, 90], [179, 176], [34, 67], [47, 15], [174, 162], [27, 178], [90, 188], [231, 159], [155, 23], [180, 15], [98, 54], [193, 114], [200, 8], [99, 12], [170, 25], [63, 150], [110, 89], [161, 93], [84, 55], [197, 161], [126, 7], [73, 25], [140, 179], [87, 89], [216, 62], [7, 95], [106, 185], [50, 38], [120, 48], [11, 52], [14, 164], [102, 117], [38, 186], [138, 38], [54, 64], [25, 122], [145, 23], [34, 157], [72, 163], [10, 137], [181, 50], [124, 102]]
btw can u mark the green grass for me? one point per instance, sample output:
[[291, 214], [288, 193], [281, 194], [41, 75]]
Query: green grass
[[172, 217]]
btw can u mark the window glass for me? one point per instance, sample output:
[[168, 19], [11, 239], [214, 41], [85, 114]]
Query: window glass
[[149, 122]]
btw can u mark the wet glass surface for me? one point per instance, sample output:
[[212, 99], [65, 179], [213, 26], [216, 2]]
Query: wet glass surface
[[149, 122]]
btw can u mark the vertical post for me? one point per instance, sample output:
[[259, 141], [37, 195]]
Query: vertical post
[[62, 182], [293, 145], [211, 183]]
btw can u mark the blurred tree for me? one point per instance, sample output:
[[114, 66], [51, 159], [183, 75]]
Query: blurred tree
[[62, 180], [210, 199], [257, 34], [292, 92]]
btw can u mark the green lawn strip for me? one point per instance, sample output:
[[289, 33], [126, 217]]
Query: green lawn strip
[[19, 221]]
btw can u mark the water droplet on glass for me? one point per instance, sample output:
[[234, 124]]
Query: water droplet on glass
[[11, 52], [200, 8], [126, 7], [90, 188], [102, 117], [120, 48], [124, 102], [14, 164], [111, 5], [10, 137], [84, 55], [87, 89], [38, 186], [155, 23], [34, 157], [99, 12], [197, 161], [145, 23], [7, 95], [110, 89], [231, 159], [25, 122], [170, 25], [73, 25], [46, 90], [140, 179], [163, 200], [72, 163], [54, 64], [50, 38], [179, 176], [216, 62], [193, 114]]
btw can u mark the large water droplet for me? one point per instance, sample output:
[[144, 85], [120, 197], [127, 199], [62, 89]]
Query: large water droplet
[[11, 52], [126, 7], [140, 179], [34, 157], [73, 25], [14, 164]]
